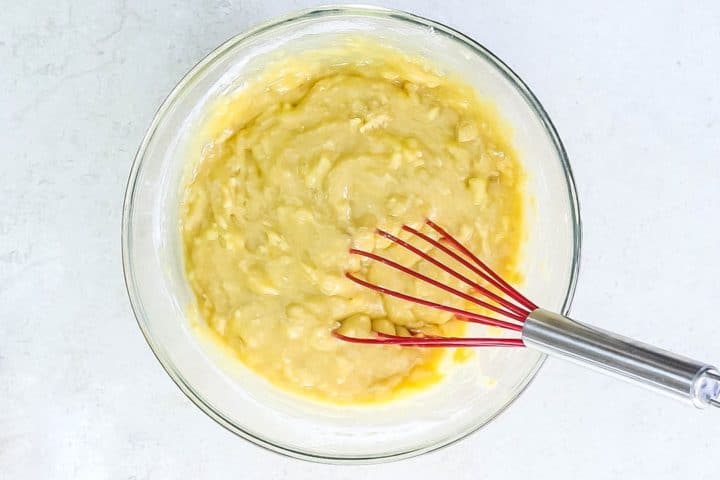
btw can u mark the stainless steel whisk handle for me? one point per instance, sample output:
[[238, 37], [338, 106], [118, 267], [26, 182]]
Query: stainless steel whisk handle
[[678, 376]]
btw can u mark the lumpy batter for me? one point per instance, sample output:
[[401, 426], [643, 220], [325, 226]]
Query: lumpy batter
[[307, 160]]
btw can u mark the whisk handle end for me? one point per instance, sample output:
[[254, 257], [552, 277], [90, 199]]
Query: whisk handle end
[[667, 372]]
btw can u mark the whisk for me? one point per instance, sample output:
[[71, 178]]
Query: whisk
[[540, 329]]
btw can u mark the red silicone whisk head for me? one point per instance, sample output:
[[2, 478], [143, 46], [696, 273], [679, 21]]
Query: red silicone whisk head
[[506, 307]]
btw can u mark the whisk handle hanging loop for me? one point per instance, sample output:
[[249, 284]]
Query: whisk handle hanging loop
[[681, 377]]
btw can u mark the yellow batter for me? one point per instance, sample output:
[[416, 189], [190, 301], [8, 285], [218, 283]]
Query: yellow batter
[[305, 162]]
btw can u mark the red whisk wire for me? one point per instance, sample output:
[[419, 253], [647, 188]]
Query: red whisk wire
[[383, 339], [509, 290], [520, 311], [439, 285], [469, 316]]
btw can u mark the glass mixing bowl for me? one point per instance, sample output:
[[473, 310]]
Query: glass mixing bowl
[[474, 392]]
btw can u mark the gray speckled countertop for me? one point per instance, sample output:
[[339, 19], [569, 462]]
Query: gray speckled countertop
[[633, 90]]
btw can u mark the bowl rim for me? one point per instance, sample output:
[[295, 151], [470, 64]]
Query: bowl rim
[[168, 102]]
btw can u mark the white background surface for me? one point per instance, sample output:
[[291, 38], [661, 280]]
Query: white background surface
[[633, 90]]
